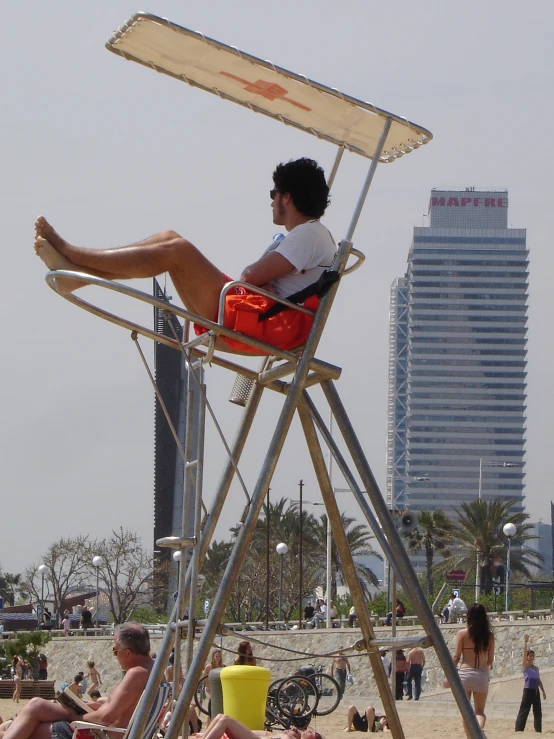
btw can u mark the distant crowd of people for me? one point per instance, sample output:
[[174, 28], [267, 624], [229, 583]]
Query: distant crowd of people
[[315, 615]]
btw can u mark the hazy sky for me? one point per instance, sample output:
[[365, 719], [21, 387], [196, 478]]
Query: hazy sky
[[112, 152]]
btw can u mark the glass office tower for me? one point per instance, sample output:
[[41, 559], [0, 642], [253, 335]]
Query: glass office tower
[[457, 359]]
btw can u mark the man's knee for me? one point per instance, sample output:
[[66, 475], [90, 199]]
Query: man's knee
[[35, 705]]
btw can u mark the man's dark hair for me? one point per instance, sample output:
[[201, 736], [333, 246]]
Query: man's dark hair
[[305, 181], [133, 636]]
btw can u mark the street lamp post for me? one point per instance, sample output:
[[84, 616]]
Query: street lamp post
[[509, 530], [97, 561], [484, 463], [43, 569], [282, 549]]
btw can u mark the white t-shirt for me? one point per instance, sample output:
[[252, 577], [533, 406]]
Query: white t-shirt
[[310, 248], [66, 624]]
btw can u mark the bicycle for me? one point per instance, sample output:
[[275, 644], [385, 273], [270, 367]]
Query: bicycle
[[326, 687], [290, 702]]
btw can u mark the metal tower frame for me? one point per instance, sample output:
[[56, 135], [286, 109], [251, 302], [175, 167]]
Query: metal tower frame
[[381, 137]]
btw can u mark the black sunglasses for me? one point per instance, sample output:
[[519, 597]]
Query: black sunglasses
[[273, 192]]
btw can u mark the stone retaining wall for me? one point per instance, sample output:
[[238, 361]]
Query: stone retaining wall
[[69, 655]]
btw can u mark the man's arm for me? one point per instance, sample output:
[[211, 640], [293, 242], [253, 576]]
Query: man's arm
[[267, 268], [122, 700], [541, 687]]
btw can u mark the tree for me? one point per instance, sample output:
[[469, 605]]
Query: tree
[[9, 587], [359, 539], [478, 530], [125, 573], [27, 646], [432, 534], [67, 561]]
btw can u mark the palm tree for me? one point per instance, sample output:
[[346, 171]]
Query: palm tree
[[432, 534], [9, 585], [478, 529], [359, 542]]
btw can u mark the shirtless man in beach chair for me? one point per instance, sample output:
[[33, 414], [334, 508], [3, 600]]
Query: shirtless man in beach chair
[[42, 719], [298, 200]]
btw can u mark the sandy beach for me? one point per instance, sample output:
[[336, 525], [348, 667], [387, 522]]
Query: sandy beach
[[419, 720]]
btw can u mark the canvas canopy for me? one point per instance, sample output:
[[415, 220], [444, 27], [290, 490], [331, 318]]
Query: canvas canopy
[[264, 88]]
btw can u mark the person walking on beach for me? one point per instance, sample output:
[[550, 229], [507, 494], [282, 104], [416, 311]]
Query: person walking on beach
[[475, 648], [17, 670], [401, 670], [531, 686], [340, 667], [94, 676], [416, 662]]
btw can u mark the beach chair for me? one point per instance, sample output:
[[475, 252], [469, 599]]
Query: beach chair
[[150, 727]]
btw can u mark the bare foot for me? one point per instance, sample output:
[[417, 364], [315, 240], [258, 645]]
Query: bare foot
[[48, 232], [54, 261]]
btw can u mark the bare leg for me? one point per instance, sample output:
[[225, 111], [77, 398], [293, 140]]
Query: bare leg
[[370, 716], [352, 710], [196, 279], [17, 691], [480, 700], [33, 715], [223, 724]]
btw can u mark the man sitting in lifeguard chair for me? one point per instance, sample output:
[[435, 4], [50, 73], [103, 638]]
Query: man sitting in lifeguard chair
[[298, 200]]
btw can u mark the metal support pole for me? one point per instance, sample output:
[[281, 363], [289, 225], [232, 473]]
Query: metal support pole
[[329, 541], [393, 634], [508, 574], [368, 179], [97, 584], [245, 534], [267, 566], [301, 487], [329, 623], [402, 562], [477, 557], [349, 569], [281, 587]]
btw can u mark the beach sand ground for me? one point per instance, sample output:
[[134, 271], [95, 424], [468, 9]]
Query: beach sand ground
[[421, 720]]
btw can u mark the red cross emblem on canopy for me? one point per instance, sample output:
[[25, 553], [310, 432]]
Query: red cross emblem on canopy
[[268, 90]]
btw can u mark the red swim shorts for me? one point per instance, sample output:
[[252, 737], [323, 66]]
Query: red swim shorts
[[287, 330]]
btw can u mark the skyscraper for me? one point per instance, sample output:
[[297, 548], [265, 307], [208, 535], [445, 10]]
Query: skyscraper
[[457, 358]]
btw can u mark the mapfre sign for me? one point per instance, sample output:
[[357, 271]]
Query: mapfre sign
[[468, 201]]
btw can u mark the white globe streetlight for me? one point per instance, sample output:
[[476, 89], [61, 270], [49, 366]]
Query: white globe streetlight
[[509, 530], [43, 569], [177, 556], [97, 562], [281, 549]]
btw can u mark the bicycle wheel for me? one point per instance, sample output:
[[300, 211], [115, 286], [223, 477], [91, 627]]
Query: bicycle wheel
[[297, 699], [201, 695], [272, 713], [328, 692]]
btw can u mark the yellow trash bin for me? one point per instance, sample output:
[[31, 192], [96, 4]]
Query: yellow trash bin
[[245, 693]]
